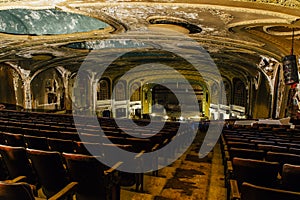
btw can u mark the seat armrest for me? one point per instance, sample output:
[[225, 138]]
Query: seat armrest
[[155, 147], [22, 179], [166, 141], [223, 143], [234, 190], [67, 190], [225, 147], [229, 168], [113, 168], [228, 173], [227, 155], [139, 154], [17, 179]]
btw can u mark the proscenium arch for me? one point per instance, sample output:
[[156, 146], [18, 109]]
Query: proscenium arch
[[148, 56], [103, 62]]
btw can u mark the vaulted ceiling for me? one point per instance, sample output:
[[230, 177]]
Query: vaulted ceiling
[[232, 34]]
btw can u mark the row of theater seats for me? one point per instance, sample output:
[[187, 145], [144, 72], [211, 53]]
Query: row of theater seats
[[261, 163], [140, 139], [31, 144], [56, 174], [66, 129], [79, 146]]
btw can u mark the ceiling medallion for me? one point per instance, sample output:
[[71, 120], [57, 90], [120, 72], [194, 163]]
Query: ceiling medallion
[[166, 20], [281, 30], [42, 56]]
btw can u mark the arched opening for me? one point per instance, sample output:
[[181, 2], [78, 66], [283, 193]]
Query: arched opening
[[103, 90], [47, 91], [11, 90], [120, 91], [135, 92], [240, 93]]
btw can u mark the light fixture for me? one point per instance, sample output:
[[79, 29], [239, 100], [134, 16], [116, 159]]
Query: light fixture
[[290, 69]]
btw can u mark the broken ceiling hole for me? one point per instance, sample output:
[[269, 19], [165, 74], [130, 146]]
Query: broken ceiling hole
[[46, 22]]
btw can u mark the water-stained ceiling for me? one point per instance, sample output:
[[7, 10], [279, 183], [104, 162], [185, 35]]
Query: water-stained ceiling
[[234, 34]]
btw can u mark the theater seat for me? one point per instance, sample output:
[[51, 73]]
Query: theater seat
[[283, 158], [254, 192], [50, 170], [17, 163], [61, 145], [255, 171], [35, 142], [15, 191], [291, 177], [95, 181], [246, 153], [242, 145], [13, 139]]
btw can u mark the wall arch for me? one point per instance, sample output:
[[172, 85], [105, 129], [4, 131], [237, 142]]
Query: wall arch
[[11, 87], [47, 90]]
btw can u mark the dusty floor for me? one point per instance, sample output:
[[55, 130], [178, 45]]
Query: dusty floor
[[188, 178]]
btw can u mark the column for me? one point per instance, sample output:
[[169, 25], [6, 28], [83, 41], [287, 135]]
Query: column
[[93, 93], [65, 74], [27, 89]]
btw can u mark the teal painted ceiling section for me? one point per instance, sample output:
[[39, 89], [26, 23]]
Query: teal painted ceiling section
[[46, 22]]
